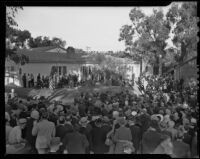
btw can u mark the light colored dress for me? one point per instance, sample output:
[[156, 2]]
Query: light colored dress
[[45, 131]]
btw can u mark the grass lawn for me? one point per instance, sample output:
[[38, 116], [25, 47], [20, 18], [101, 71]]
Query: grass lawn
[[21, 92]]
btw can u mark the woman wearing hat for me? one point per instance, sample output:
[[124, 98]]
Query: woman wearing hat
[[121, 136], [16, 133], [15, 140]]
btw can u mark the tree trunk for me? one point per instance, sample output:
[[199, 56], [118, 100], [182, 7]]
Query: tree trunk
[[160, 66], [140, 67]]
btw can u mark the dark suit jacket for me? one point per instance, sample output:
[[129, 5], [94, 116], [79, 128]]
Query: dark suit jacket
[[75, 143], [98, 139], [136, 132], [181, 149], [28, 136], [62, 130]]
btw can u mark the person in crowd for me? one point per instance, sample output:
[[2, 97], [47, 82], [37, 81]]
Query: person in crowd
[[121, 136], [85, 129], [38, 80], [151, 138], [61, 128], [16, 143], [171, 129], [94, 122], [55, 145], [32, 80], [75, 142], [24, 80], [181, 149], [15, 135], [29, 126], [8, 127], [45, 131], [99, 137], [136, 131], [29, 80]]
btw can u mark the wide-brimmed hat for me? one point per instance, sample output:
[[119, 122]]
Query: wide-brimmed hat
[[83, 121], [105, 119], [157, 117], [133, 113]]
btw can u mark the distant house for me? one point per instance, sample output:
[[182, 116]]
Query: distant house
[[186, 70], [41, 60]]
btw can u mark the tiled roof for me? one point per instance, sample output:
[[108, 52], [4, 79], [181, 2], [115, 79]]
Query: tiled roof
[[39, 55]]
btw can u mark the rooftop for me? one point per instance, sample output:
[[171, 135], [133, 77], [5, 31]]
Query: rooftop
[[54, 54]]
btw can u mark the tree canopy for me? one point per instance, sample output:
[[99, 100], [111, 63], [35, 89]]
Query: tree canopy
[[45, 41], [15, 38], [146, 37], [185, 31]]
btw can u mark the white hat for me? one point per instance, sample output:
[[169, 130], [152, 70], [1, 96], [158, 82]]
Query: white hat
[[193, 120], [134, 113], [115, 113], [35, 114], [185, 105], [83, 121], [161, 117]]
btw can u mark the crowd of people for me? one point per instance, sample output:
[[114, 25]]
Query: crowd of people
[[30, 82], [162, 120], [69, 80]]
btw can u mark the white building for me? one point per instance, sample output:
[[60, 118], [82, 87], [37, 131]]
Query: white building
[[41, 60]]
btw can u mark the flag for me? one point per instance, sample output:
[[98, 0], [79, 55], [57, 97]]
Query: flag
[[51, 84]]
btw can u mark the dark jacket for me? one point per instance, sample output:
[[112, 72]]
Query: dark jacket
[[136, 132], [150, 140], [28, 136], [181, 149], [87, 132], [75, 143], [62, 130], [98, 139]]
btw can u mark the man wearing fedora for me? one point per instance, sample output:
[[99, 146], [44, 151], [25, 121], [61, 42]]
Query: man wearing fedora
[[85, 129], [75, 142]]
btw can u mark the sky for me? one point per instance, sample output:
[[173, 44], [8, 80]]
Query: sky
[[81, 27]]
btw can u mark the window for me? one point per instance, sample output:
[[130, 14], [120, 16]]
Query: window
[[59, 70], [64, 70]]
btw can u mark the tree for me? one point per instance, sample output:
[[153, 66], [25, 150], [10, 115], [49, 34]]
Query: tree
[[14, 37], [18, 37], [146, 37], [58, 42], [70, 50], [40, 41], [185, 20]]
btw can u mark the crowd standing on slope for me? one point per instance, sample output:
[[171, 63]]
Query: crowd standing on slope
[[162, 120]]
